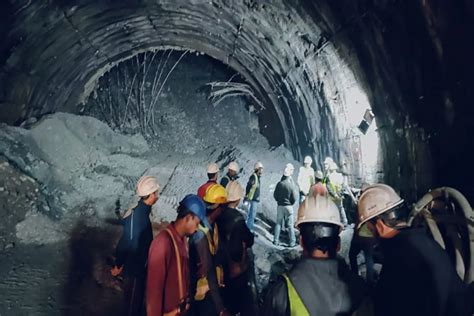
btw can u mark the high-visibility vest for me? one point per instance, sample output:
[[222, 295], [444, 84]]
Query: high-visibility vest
[[254, 187], [203, 284], [297, 307]]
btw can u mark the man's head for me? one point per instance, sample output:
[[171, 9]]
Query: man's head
[[320, 224], [148, 189], [327, 162], [212, 171], [258, 168], [289, 169], [215, 196], [383, 209], [235, 193], [233, 169], [191, 212], [307, 161], [318, 176]]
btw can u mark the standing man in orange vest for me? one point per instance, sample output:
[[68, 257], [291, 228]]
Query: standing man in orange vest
[[168, 261]]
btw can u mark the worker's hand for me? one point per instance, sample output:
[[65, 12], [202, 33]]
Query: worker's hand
[[116, 271]]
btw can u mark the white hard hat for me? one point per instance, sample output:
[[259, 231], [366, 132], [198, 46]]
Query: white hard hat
[[212, 168], [233, 166], [308, 160], [290, 166], [147, 185], [375, 200], [328, 160], [235, 191], [319, 175], [258, 165], [318, 209]]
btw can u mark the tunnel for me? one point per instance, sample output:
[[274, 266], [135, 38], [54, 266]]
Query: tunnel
[[93, 94]]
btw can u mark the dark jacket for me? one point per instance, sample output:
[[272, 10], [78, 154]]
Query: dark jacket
[[252, 190], [326, 287], [284, 192], [132, 249], [228, 178], [417, 278]]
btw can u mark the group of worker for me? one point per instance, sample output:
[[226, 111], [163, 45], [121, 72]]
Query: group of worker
[[308, 183], [202, 263]]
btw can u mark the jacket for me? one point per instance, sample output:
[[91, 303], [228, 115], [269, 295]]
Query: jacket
[[418, 278], [132, 249], [284, 192], [305, 179], [326, 287], [162, 292], [228, 178], [252, 190]]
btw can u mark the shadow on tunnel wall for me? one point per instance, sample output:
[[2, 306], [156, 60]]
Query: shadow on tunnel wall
[[90, 289]]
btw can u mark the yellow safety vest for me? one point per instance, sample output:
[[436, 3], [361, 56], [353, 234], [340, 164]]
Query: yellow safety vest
[[297, 307], [202, 284], [254, 187]]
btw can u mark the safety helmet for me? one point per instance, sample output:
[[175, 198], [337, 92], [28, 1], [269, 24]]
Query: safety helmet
[[319, 175], [308, 160], [328, 160], [233, 166], [194, 204], [235, 191], [215, 194], [290, 166], [212, 168], [258, 165], [375, 200], [147, 185], [318, 209]]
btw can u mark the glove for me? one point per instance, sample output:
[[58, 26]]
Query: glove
[[116, 271]]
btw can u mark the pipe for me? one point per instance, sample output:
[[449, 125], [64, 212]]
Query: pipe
[[469, 215]]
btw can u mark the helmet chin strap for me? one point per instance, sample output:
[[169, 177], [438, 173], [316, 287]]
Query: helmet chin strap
[[384, 231]]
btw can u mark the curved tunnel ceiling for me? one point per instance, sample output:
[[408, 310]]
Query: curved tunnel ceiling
[[303, 58]]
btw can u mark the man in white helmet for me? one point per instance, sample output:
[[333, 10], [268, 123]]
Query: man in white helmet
[[252, 194], [305, 177], [237, 240], [212, 175], [132, 249], [231, 175], [285, 197], [417, 277], [320, 283]]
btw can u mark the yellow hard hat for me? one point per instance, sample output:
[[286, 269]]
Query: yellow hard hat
[[215, 194], [375, 200], [318, 209]]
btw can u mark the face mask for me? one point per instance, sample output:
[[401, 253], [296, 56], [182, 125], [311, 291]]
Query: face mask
[[384, 231]]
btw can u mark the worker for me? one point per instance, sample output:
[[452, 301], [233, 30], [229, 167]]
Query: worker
[[237, 240], [305, 177], [285, 196], [327, 162], [207, 259], [318, 187], [132, 249], [231, 175], [334, 184], [417, 276], [319, 283], [212, 175], [168, 278], [252, 194]]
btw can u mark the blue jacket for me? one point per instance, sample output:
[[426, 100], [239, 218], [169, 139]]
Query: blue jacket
[[132, 249]]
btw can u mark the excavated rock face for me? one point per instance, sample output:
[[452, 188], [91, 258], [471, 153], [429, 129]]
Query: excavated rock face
[[302, 58]]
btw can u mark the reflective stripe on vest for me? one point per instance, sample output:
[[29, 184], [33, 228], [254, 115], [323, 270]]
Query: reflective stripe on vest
[[202, 284], [252, 190], [297, 307]]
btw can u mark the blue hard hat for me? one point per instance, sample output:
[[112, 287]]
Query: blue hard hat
[[195, 204]]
